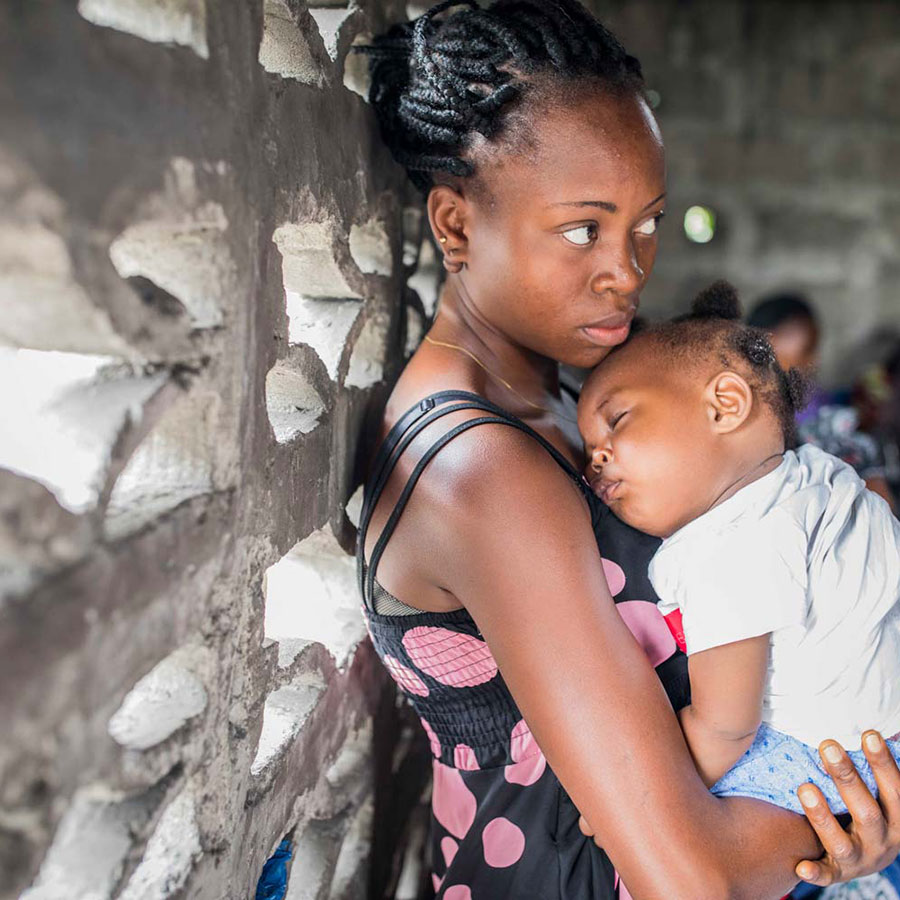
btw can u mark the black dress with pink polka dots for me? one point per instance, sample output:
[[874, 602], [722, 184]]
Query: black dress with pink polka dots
[[502, 825]]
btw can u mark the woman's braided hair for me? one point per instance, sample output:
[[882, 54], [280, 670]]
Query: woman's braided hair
[[714, 326], [437, 83]]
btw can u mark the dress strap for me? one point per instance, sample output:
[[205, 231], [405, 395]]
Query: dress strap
[[406, 429]]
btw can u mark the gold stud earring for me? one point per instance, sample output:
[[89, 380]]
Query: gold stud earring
[[443, 238]]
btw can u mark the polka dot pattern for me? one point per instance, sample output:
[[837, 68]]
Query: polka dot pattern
[[454, 805], [464, 758], [647, 624], [615, 577], [405, 677], [448, 850], [458, 892], [528, 762], [504, 843], [433, 739], [450, 657]]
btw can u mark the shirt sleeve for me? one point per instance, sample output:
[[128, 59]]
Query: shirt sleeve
[[748, 581]]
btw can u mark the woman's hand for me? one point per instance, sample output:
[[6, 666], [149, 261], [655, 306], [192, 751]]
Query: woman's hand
[[872, 840]]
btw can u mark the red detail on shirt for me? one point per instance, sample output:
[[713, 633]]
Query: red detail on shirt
[[673, 620]]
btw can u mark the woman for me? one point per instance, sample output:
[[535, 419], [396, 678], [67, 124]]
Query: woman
[[526, 127]]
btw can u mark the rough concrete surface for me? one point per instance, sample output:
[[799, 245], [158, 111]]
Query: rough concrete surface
[[203, 301]]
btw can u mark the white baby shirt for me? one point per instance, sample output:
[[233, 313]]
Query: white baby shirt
[[810, 555]]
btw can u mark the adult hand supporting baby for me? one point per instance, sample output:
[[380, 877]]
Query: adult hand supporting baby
[[872, 840]]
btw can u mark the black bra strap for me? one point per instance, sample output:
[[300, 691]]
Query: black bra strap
[[406, 429]]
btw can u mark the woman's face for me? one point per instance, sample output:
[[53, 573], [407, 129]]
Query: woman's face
[[796, 344], [563, 238]]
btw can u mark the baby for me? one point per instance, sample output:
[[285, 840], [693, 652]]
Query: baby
[[785, 570]]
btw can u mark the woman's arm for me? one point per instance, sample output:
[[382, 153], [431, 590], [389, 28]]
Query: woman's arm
[[516, 547], [727, 686], [498, 526]]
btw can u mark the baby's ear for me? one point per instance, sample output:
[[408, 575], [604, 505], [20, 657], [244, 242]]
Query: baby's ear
[[729, 400]]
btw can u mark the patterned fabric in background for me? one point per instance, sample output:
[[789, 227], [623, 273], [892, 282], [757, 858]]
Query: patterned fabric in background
[[834, 427]]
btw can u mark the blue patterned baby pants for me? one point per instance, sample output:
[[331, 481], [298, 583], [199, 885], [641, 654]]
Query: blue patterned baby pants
[[777, 764]]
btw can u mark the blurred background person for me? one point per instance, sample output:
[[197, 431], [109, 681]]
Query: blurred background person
[[830, 420]]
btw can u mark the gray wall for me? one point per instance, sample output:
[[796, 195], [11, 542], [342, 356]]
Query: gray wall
[[784, 117], [201, 245]]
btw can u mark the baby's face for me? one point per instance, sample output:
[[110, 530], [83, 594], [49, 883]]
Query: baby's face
[[649, 447]]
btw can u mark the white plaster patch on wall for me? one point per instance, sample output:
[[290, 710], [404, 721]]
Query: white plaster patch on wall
[[179, 459], [284, 49], [354, 506], [353, 859], [311, 595], [161, 21], [370, 247], [285, 713], [357, 77], [413, 223], [349, 776], [309, 264], [293, 404], [37, 277], [92, 841], [164, 700], [427, 279], [415, 330], [189, 259], [367, 360], [314, 858], [170, 854], [323, 325], [330, 21], [62, 422]]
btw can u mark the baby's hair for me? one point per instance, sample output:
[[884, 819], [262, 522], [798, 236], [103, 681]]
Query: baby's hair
[[435, 84], [714, 326]]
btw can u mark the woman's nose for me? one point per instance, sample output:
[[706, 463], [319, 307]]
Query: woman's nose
[[622, 272]]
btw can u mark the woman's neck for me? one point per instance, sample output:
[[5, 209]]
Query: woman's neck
[[459, 322]]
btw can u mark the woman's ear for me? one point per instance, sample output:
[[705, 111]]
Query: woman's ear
[[729, 400], [447, 213]]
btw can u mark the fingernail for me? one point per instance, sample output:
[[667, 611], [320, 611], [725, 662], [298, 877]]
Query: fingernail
[[832, 753], [873, 741], [806, 871], [808, 797]]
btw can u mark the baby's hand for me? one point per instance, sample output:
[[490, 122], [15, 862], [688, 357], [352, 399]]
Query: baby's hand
[[872, 840]]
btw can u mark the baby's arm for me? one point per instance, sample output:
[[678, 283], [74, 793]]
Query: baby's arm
[[727, 685]]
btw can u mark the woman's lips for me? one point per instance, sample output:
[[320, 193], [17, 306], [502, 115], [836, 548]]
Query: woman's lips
[[610, 331]]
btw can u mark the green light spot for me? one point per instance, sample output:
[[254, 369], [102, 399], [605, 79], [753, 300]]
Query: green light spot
[[700, 224]]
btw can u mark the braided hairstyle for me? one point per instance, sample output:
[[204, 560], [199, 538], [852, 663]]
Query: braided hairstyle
[[714, 326], [436, 84]]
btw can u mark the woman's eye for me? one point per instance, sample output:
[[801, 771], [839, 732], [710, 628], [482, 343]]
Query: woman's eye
[[649, 227], [582, 235]]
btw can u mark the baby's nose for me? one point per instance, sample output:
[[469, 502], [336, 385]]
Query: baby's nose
[[599, 458]]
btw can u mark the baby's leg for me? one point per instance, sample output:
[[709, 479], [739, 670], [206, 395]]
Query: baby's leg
[[777, 764]]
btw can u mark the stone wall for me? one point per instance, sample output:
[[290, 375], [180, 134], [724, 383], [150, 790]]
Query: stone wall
[[210, 270], [203, 265], [784, 118]]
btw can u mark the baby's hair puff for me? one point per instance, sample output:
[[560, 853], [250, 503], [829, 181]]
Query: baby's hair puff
[[714, 327]]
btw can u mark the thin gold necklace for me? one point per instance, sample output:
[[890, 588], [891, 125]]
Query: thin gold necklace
[[494, 375]]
